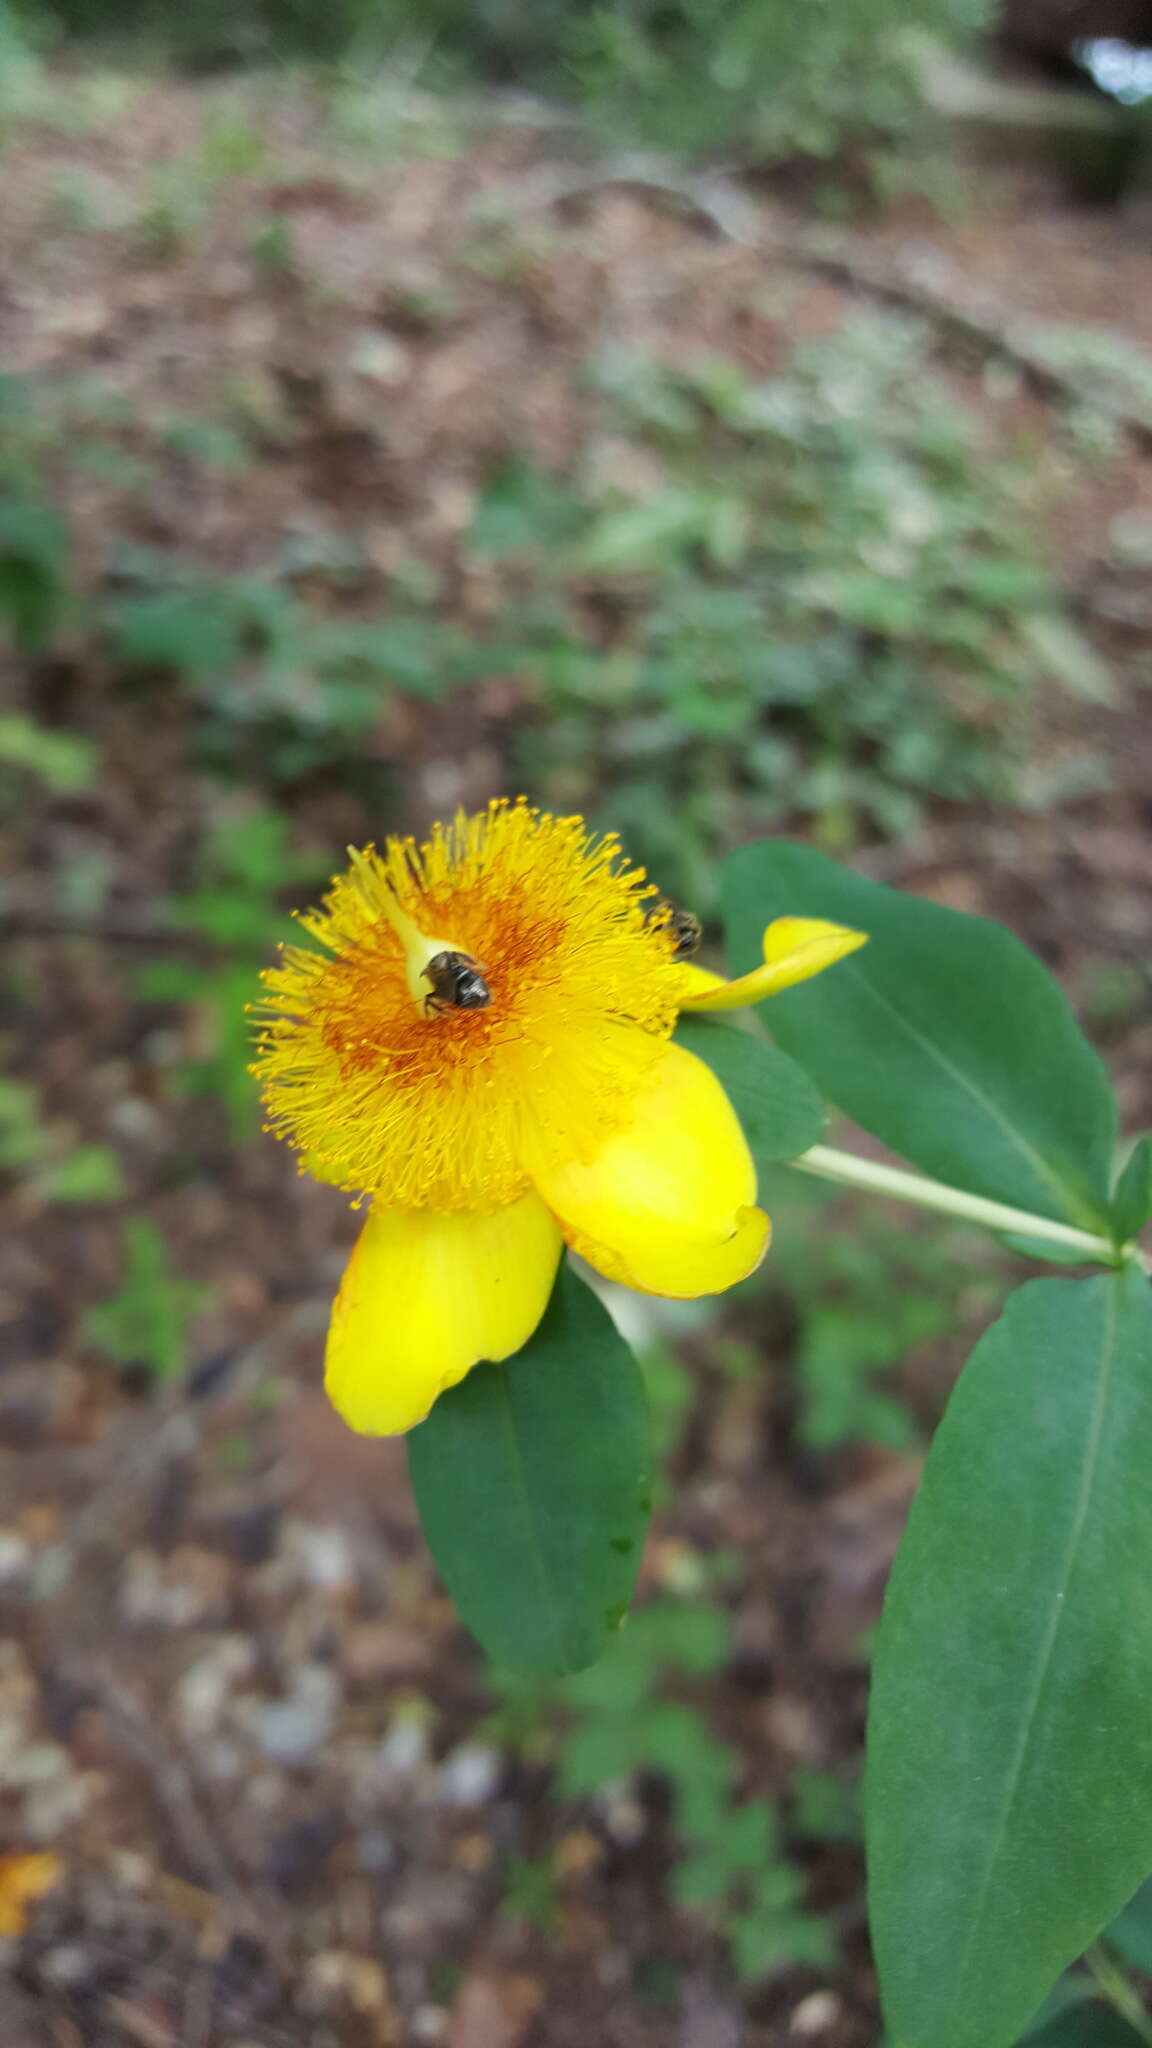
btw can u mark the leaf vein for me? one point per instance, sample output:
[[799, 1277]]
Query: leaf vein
[[1048, 1173], [1055, 1623]]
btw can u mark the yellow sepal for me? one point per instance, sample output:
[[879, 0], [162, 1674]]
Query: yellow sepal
[[667, 1204], [425, 1296], [795, 948]]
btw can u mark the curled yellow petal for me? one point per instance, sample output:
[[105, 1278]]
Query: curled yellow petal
[[667, 1203], [425, 1296], [795, 948]]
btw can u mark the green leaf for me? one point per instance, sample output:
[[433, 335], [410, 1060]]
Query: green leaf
[[1132, 1201], [1067, 656], [63, 760], [33, 565], [92, 1173], [1074, 1989], [145, 1321], [1131, 1932], [943, 1036], [185, 631], [1009, 1796], [647, 532], [780, 1110], [534, 1484]]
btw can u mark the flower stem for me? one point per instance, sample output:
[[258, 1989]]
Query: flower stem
[[1118, 1989], [854, 1172]]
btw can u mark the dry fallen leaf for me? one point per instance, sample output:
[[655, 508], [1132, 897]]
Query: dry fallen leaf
[[23, 1880], [494, 2009]]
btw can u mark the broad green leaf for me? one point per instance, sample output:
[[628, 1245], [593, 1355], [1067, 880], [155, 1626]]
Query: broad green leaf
[[1131, 1932], [1132, 1201], [534, 1484], [1009, 1796], [943, 1036], [780, 1110]]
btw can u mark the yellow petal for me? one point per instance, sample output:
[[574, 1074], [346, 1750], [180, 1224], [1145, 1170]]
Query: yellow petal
[[795, 948], [425, 1296], [667, 1203]]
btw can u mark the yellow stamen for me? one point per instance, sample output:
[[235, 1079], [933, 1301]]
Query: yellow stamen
[[419, 949], [437, 1112]]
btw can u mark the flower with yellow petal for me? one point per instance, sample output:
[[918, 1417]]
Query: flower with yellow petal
[[480, 1042]]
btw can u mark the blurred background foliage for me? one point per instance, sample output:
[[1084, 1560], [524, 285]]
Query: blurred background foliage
[[759, 76], [818, 598]]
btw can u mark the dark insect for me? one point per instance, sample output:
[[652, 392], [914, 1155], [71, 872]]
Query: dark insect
[[682, 926], [457, 983]]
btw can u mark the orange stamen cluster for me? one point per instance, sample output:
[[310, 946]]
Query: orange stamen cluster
[[429, 1107]]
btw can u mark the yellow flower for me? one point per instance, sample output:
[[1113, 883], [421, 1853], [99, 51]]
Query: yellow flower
[[492, 1118]]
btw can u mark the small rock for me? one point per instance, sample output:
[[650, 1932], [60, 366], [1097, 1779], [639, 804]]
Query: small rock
[[815, 2015], [135, 1119], [203, 1690], [792, 1728], [469, 1776], [708, 2020], [38, 1764], [405, 1747], [623, 1815], [494, 2009], [358, 1981], [66, 1965], [473, 1853], [379, 357], [374, 1652], [15, 1556], [429, 2023], [322, 1554], [181, 1591], [291, 1730], [51, 1807], [577, 1853], [377, 1852], [222, 1761]]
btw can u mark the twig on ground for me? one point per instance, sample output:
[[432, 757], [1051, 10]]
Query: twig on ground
[[130, 1458], [171, 1784], [718, 201]]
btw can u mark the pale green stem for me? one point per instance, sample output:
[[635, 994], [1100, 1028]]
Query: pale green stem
[[854, 1172], [1120, 1992]]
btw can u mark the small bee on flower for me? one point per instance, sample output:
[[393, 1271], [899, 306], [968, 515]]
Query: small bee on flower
[[481, 1043], [682, 926], [456, 981]]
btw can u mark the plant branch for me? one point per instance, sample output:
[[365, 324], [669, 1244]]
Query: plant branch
[[853, 1172]]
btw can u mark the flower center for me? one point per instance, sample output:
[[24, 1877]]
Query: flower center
[[494, 995], [421, 953]]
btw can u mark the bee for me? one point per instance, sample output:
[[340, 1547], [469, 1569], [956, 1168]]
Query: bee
[[682, 926], [457, 983]]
